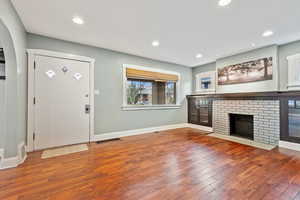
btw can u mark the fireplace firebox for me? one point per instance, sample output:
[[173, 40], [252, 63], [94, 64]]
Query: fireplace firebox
[[241, 126]]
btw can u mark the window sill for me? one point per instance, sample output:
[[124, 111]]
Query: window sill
[[152, 107], [205, 91]]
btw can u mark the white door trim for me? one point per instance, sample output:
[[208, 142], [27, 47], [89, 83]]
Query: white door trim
[[32, 53]]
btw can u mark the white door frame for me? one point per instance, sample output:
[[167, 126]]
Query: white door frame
[[32, 53]]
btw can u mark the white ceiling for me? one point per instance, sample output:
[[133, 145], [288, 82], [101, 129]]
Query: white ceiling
[[184, 28]]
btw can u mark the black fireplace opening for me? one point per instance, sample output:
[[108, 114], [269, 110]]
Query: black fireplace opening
[[241, 126]]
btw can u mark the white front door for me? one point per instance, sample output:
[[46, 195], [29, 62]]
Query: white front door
[[61, 102]]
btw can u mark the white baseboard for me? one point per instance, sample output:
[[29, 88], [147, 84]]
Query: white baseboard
[[289, 145], [118, 134], [203, 128], [243, 141], [14, 161]]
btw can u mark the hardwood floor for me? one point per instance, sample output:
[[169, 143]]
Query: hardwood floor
[[178, 164]]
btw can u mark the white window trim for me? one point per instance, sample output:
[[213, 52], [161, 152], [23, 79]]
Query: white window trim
[[125, 106], [198, 76], [293, 82]]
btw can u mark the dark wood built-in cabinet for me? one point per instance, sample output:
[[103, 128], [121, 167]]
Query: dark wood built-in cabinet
[[200, 111], [290, 119]]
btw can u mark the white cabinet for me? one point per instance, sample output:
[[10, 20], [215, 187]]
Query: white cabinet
[[294, 72]]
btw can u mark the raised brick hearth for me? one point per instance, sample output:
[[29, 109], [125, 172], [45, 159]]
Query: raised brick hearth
[[266, 117]]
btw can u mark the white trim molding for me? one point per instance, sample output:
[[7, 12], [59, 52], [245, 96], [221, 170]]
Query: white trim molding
[[289, 145], [126, 107], [244, 141], [293, 72], [11, 162], [119, 134], [32, 54], [202, 128], [152, 107], [54, 54]]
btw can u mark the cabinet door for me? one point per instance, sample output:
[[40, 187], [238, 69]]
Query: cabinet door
[[290, 120], [205, 112], [200, 111], [193, 114]]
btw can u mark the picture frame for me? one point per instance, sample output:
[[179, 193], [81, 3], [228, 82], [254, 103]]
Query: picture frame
[[251, 71]]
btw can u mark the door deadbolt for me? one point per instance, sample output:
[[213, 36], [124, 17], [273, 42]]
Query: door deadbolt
[[87, 109]]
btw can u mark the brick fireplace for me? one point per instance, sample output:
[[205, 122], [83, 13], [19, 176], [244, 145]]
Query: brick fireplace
[[266, 118]]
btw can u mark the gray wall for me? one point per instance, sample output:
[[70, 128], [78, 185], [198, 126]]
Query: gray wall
[[13, 106], [109, 116], [283, 51]]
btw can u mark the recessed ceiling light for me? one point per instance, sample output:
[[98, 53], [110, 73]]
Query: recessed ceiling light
[[78, 20], [267, 33], [199, 55], [224, 2], [253, 44], [155, 43]]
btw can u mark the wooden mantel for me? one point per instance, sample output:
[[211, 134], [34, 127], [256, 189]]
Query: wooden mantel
[[249, 96]]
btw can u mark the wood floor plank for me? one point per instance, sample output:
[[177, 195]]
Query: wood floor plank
[[169, 165]]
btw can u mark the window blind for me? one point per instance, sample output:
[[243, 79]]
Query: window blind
[[149, 75]]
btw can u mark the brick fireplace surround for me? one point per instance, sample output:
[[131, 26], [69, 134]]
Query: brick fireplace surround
[[266, 115]]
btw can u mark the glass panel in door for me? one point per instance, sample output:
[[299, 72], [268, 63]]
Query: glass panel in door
[[294, 118]]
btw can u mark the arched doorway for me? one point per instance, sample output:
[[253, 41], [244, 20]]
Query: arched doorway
[[8, 95]]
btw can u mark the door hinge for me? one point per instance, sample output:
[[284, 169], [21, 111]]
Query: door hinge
[[33, 100], [33, 136]]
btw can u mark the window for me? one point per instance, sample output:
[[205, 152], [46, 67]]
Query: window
[[139, 92], [205, 82], [294, 118], [170, 93], [145, 92], [293, 72], [145, 88]]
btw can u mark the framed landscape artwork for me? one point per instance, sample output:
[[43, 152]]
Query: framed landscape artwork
[[252, 71]]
